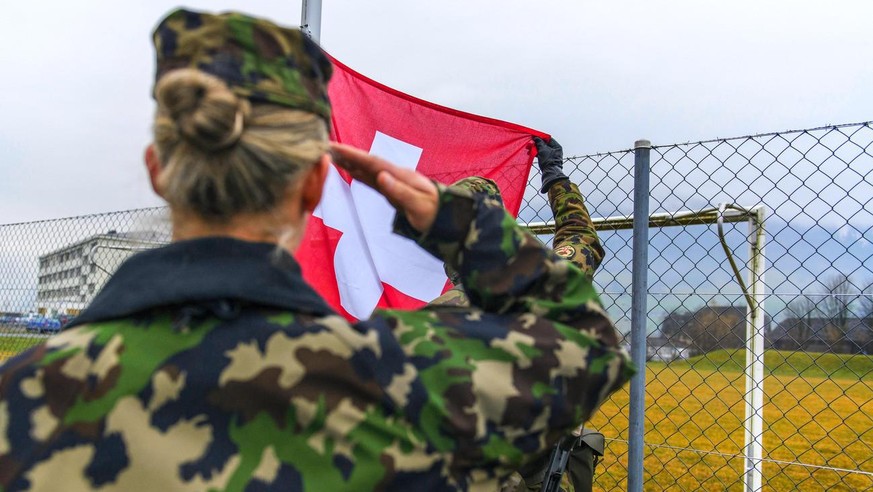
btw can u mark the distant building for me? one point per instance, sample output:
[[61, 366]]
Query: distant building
[[822, 334], [663, 349], [712, 327], [70, 276]]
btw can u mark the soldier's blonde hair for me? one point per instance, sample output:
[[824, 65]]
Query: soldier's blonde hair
[[222, 155]]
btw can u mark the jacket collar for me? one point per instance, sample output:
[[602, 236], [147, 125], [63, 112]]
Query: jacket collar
[[204, 270]]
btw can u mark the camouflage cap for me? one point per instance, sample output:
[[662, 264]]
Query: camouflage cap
[[478, 184], [258, 59]]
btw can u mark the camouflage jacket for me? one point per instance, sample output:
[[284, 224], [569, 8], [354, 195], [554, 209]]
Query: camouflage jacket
[[575, 237], [211, 365]]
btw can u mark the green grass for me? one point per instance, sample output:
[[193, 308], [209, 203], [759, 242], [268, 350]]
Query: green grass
[[783, 363], [12, 345]]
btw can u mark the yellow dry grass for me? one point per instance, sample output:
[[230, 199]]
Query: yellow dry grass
[[812, 420]]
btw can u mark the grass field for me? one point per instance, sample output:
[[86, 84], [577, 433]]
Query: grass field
[[822, 418], [818, 411], [11, 345]]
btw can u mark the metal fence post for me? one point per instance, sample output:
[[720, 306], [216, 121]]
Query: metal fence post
[[754, 421], [310, 18], [639, 315]]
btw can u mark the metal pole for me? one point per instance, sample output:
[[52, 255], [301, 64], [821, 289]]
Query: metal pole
[[682, 218], [310, 19], [754, 422], [639, 315]]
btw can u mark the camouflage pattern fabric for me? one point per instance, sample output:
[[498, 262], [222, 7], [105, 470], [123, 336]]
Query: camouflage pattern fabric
[[259, 60], [229, 373], [477, 185], [484, 186], [575, 237], [578, 476], [576, 241], [454, 297]]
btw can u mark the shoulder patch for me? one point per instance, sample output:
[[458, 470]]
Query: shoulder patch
[[565, 251]]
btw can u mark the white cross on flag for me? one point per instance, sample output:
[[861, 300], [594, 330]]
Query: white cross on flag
[[349, 254]]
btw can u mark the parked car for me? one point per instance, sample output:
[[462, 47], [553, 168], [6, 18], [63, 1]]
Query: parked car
[[53, 325], [41, 324], [23, 320]]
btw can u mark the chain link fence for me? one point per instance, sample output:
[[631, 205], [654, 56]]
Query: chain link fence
[[50, 270], [813, 190], [796, 217]]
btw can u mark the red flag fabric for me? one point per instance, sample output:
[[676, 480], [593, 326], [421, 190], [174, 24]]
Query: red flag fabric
[[348, 252]]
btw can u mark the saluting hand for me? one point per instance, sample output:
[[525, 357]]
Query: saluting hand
[[410, 192]]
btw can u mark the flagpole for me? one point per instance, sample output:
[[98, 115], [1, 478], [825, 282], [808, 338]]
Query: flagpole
[[310, 19]]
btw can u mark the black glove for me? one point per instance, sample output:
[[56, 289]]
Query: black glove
[[550, 157]]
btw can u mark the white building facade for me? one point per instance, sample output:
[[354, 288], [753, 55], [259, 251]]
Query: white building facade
[[70, 277]]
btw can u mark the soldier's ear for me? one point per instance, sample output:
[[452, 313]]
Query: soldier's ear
[[313, 184], [153, 166]]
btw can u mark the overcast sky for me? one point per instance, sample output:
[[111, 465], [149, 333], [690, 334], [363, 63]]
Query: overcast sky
[[75, 82]]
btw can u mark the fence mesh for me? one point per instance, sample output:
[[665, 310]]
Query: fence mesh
[[50, 270], [816, 188]]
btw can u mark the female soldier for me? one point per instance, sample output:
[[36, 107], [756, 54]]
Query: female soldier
[[210, 363]]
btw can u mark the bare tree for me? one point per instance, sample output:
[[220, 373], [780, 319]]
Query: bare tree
[[801, 313], [802, 308], [865, 304], [675, 324], [708, 328], [836, 305], [718, 327], [866, 313]]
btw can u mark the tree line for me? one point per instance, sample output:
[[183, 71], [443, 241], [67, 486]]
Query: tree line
[[838, 318]]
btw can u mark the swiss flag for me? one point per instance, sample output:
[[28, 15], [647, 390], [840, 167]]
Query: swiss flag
[[349, 254]]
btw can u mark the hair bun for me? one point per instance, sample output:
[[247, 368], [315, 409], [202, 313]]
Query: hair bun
[[205, 111]]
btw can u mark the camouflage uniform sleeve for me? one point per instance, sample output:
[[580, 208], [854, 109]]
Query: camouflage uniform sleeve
[[503, 268], [575, 237], [454, 297], [533, 357]]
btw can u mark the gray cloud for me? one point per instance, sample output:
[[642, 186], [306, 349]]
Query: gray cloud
[[75, 104]]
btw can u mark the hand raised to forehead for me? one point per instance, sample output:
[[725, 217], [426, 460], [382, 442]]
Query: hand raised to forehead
[[410, 192]]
